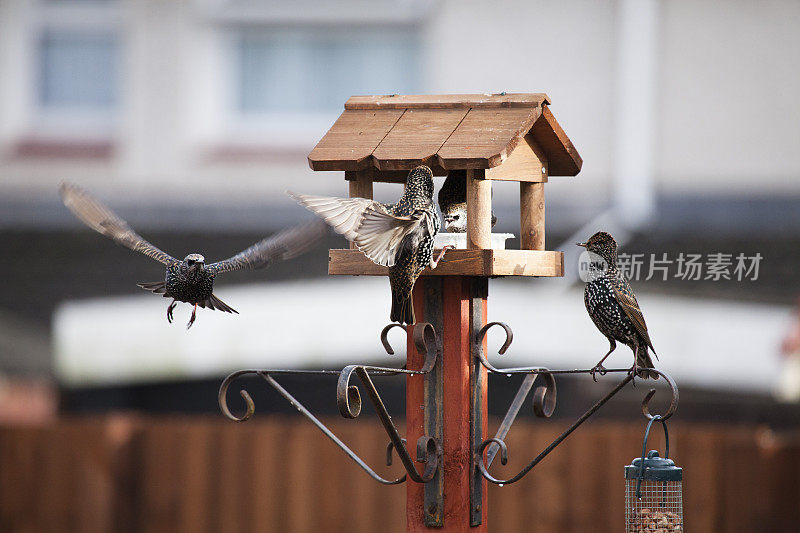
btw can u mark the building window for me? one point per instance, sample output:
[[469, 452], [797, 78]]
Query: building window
[[78, 70], [315, 71]]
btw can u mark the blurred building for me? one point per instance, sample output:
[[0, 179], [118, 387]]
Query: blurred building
[[192, 118]]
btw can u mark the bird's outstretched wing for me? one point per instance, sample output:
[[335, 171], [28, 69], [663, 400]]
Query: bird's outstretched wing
[[103, 220], [366, 222], [627, 300], [287, 244], [380, 234], [343, 214]]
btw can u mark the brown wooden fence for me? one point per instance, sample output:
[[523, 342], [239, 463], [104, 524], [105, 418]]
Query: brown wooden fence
[[203, 474]]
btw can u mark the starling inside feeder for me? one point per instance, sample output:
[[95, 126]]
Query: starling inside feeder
[[653, 490]]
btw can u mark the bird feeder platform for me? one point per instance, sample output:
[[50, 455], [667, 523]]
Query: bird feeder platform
[[496, 137]]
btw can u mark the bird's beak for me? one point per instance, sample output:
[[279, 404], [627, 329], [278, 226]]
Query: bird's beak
[[581, 244]]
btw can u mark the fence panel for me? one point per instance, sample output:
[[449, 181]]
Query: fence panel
[[202, 474]]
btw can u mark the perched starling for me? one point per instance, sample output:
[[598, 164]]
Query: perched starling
[[453, 202], [613, 307], [399, 236], [190, 280]]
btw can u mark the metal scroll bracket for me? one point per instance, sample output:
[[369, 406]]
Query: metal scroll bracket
[[544, 402], [348, 399]]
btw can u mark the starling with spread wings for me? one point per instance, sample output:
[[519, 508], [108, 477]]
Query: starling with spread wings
[[399, 236], [190, 280], [613, 308]]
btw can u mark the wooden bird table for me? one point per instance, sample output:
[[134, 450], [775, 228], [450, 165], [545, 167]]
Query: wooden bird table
[[506, 137]]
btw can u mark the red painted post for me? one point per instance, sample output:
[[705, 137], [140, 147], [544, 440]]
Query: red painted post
[[457, 295]]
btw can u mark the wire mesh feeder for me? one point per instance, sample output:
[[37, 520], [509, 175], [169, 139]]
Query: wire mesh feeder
[[653, 490]]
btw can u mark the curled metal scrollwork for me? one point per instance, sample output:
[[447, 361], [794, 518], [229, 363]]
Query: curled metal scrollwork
[[222, 397], [348, 399], [544, 402], [544, 397], [673, 404]]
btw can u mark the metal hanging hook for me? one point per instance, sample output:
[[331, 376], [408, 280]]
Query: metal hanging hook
[[384, 336], [509, 335], [673, 404], [424, 338]]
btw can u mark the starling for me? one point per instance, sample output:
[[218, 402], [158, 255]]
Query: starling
[[190, 280], [453, 202], [613, 307], [399, 236]]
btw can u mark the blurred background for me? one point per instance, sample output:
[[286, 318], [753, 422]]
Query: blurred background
[[191, 118]]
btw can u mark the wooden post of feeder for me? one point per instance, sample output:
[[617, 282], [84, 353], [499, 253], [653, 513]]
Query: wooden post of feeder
[[360, 184], [506, 137], [479, 210], [531, 196]]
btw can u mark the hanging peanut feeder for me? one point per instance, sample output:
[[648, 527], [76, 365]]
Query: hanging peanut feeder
[[653, 490]]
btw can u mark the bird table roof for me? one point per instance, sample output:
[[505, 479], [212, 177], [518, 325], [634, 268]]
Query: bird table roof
[[450, 131]]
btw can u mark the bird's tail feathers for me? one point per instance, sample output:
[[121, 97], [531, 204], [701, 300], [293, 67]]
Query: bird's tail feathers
[[402, 308], [158, 287], [215, 303], [645, 361]]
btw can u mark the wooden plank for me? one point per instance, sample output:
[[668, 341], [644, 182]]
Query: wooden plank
[[444, 101], [702, 476], [197, 500], [486, 137], [21, 478], [589, 477], [352, 139], [475, 262], [302, 441], [158, 475], [526, 163], [415, 415], [551, 488], [479, 210], [562, 155], [416, 138], [92, 482], [531, 216], [360, 185], [399, 176], [456, 365], [265, 458], [54, 501]]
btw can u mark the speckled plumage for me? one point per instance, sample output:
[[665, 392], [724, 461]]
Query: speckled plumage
[[399, 236], [190, 280], [613, 308], [453, 202], [416, 250]]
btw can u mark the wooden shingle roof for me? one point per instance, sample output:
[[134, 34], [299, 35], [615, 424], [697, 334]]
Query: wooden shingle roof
[[459, 131]]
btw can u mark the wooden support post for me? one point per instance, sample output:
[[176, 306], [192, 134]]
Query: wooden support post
[[360, 186], [479, 210], [531, 212], [456, 303]]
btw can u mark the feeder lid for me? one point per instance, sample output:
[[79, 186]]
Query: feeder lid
[[444, 132], [655, 468]]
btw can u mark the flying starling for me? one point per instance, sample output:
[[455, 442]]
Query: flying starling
[[453, 202], [190, 280], [399, 236], [613, 307]]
